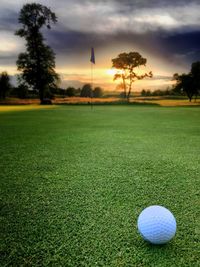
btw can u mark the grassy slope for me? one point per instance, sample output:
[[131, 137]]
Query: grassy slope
[[73, 182]]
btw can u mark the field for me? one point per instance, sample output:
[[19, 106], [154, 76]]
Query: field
[[75, 179]]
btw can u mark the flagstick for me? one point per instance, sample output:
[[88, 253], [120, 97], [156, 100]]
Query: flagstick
[[91, 95], [92, 60]]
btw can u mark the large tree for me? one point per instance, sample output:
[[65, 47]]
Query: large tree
[[5, 84], [38, 62], [190, 82], [127, 65], [184, 82], [195, 72]]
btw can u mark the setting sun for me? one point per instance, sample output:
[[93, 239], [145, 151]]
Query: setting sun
[[111, 72]]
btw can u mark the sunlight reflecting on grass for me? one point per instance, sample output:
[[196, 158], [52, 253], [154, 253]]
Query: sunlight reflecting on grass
[[23, 107]]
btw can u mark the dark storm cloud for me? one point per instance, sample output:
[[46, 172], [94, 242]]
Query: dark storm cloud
[[8, 60], [136, 16], [176, 47], [162, 28], [8, 20], [184, 45], [185, 41], [79, 42], [152, 3], [5, 58]]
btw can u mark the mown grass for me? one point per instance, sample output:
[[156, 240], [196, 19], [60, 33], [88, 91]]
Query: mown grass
[[74, 180]]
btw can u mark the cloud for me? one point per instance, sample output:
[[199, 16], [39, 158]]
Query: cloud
[[161, 77], [110, 17], [74, 83], [10, 43], [8, 20], [165, 31]]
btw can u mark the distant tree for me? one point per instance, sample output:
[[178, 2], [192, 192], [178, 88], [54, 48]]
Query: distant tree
[[122, 95], [78, 91], [98, 92], [165, 92], [86, 90], [120, 87], [5, 84], [38, 62], [56, 91], [70, 91], [126, 64], [143, 92], [148, 93], [21, 91]]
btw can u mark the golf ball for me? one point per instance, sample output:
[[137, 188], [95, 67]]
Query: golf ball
[[156, 224]]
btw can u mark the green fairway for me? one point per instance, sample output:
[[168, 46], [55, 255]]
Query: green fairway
[[74, 181]]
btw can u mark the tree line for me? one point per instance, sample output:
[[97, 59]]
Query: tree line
[[22, 91], [85, 91], [37, 64]]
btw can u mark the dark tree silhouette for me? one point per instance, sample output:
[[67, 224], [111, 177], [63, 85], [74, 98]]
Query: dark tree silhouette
[[189, 83], [38, 62], [195, 72], [184, 82], [98, 92], [21, 91], [126, 64], [5, 84], [86, 90], [70, 91]]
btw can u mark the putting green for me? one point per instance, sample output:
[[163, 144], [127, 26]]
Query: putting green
[[74, 180]]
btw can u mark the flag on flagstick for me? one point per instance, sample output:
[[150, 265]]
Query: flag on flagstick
[[92, 59]]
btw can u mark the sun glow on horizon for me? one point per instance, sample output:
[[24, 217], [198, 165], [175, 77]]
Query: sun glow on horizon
[[111, 72]]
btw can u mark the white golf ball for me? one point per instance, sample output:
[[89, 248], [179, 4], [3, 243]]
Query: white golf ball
[[156, 225]]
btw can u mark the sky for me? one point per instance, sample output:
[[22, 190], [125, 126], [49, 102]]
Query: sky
[[165, 32]]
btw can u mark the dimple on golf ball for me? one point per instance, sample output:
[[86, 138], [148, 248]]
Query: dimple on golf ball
[[156, 224]]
